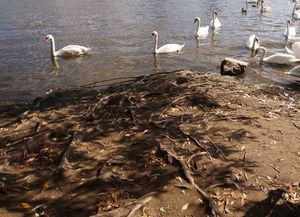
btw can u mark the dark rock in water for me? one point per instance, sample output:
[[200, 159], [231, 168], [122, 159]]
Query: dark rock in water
[[233, 67]]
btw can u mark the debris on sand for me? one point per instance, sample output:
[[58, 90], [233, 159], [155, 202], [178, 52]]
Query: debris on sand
[[172, 144]]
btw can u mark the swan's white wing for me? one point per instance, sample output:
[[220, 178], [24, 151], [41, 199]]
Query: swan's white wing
[[72, 50], [203, 31], [252, 1], [250, 40], [292, 31], [296, 14], [168, 48], [296, 49], [280, 58], [295, 60], [217, 23]]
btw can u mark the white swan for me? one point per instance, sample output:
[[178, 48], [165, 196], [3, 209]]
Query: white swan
[[264, 9], [295, 49], [277, 58], [200, 31], [168, 48], [296, 13], [251, 43], [290, 30], [215, 23], [67, 51]]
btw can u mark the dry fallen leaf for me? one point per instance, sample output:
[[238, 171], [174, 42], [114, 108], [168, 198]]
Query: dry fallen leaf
[[144, 212], [162, 209], [243, 198], [179, 178], [163, 164], [26, 206], [45, 186], [226, 204], [185, 206]]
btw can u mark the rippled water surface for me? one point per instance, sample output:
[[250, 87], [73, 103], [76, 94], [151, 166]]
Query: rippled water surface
[[119, 31]]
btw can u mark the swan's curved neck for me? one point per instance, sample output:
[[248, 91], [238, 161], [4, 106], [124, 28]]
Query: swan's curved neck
[[155, 44], [214, 19], [264, 53], [253, 45], [287, 29], [52, 47], [198, 26], [295, 5]]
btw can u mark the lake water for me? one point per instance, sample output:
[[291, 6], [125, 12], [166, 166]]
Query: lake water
[[119, 31]]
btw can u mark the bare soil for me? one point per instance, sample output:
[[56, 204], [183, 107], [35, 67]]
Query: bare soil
[[171, 144]]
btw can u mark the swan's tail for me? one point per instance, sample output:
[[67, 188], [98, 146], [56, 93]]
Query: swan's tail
[[295, 60]]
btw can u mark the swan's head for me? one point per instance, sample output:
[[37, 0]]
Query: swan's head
[[255, 41], [289, 22], [215, 12], [197, 19], [48, 37], [154, 33], [253, 50]]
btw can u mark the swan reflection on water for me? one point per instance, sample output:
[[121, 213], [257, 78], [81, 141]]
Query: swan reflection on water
[[213, 36], [55, 63], [198, 40], [155, 65]]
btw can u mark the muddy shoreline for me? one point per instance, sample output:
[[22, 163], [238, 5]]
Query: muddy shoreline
[[172, 144]]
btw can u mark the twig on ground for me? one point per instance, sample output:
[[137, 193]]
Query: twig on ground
[[123, 210], [145, 199], [217, 148], [171, 103], [193, 156], [213, 209], [244, 157], [295, 125], [133, 116], [196, 142]]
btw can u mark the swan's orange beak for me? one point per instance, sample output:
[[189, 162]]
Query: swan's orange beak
[[46, 39]]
